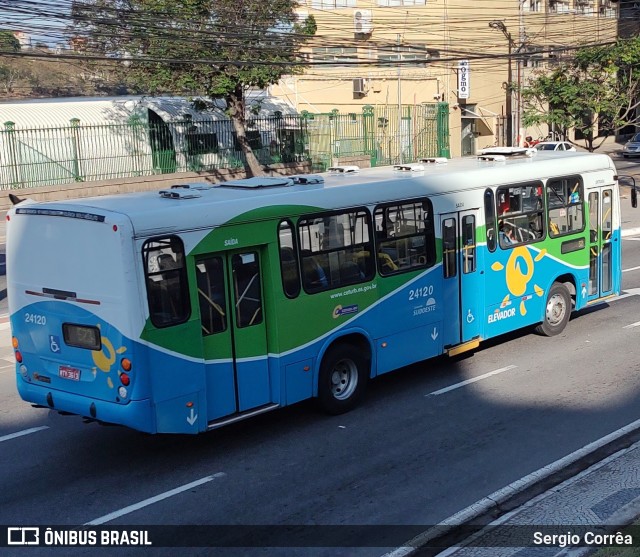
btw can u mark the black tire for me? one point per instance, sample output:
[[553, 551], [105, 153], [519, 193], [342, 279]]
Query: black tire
[[343, 377], [557, 311]]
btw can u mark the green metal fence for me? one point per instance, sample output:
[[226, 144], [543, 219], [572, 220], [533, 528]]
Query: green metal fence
[[82, 153], [381, 134]]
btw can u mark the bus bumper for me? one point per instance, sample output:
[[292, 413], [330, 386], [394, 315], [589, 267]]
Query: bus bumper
[[136, 414]]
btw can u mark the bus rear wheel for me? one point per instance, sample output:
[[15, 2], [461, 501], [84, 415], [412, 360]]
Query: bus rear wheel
[[343, 377], [557, 311]]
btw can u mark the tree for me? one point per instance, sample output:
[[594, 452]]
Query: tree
[[9, 42], [596, 93], [217, 48]]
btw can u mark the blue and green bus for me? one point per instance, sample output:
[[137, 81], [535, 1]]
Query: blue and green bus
[[181, 310]]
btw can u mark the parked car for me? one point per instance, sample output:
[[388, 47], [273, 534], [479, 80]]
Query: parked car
[[555, 146], [632, 147]]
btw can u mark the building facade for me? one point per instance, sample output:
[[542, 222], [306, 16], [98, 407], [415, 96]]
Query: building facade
[[406, 53]]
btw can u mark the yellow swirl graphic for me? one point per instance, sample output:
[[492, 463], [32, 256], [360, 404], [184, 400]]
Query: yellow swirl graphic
[[516, 279], [102, 361]]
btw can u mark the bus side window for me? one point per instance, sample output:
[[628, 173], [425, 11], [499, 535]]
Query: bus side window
[[288, 260], [490, 220], [405, 239], [335, 249], [522, 216], [166, 281], [564, 206]]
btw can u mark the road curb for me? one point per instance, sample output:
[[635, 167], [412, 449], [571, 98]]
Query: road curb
[[456, 528]]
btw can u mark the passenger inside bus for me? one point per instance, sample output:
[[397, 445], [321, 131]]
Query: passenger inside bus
[[313, 273], [505, 234]]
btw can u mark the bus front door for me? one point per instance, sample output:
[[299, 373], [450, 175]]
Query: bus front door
[[234, 335], [603, 245], [462, 274]]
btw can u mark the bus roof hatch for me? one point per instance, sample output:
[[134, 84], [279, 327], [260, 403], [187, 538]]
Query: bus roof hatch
[[257, 182]]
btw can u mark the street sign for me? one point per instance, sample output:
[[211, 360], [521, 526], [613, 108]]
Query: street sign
[[463, 79]]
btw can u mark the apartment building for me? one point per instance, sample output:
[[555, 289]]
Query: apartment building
[[460, 52]]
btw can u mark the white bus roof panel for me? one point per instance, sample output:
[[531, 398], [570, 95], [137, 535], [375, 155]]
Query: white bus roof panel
[[217, 205]]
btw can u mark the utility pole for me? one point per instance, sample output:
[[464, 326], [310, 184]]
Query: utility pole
[[497, 24], [399, 100]]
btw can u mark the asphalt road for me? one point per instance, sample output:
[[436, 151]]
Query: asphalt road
[[406, 456]]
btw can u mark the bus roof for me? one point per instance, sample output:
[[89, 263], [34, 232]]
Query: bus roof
[[152, 213]]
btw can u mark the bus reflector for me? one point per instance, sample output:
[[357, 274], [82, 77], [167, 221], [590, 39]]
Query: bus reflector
[[18, 356], [189, 404], [14, 342], [125, 364], [124, 379]]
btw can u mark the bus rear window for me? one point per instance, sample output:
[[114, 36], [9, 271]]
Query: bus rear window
[[166, 280]]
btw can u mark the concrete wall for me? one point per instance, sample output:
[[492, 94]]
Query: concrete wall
[[143, 183]]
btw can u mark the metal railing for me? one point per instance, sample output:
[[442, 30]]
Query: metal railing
[[80, 152]]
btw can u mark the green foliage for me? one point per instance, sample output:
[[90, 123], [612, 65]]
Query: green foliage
[[8, 42], [216, 48], [595, 93]]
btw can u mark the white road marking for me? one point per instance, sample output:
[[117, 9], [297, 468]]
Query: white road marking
[[636, 324], [498, 497], [5, 326], [152, 500], [633, 239], [473, 380], [627, 293], [632, 268], [23, 432]]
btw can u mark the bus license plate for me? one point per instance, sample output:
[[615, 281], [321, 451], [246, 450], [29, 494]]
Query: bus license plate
[[66, 372]]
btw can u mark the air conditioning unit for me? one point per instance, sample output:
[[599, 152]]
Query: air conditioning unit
[[362, 21], [359, 86]]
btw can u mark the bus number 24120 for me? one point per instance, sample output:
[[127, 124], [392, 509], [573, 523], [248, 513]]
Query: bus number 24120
[[422, 292]]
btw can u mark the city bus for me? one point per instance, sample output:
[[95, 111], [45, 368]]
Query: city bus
[[185, 309]]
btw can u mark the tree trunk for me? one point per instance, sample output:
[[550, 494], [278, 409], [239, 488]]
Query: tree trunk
[[236, 107]]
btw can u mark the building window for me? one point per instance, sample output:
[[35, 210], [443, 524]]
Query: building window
[[391, 3], [332, 4], [584, 7], [534, 56], [418, 54], [559, 6], [535, 5], [608, 8], [339, 55]]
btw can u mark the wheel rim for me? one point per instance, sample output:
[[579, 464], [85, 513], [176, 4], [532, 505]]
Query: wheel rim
[[556, 309], [344, 379]]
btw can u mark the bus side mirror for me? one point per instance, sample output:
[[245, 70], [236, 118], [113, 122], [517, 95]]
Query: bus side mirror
[[630, 182]]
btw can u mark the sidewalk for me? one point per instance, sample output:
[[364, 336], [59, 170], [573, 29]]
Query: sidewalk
[[599, 501]]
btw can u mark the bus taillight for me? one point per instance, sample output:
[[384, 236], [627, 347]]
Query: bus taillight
[[124, 379], [125, 364], [18, 356], [14, 342]]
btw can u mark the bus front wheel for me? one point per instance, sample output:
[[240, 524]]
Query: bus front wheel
[[342, 379], [557, 311]]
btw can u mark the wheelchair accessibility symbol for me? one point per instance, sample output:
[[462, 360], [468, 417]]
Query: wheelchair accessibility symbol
[[54, 344]]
